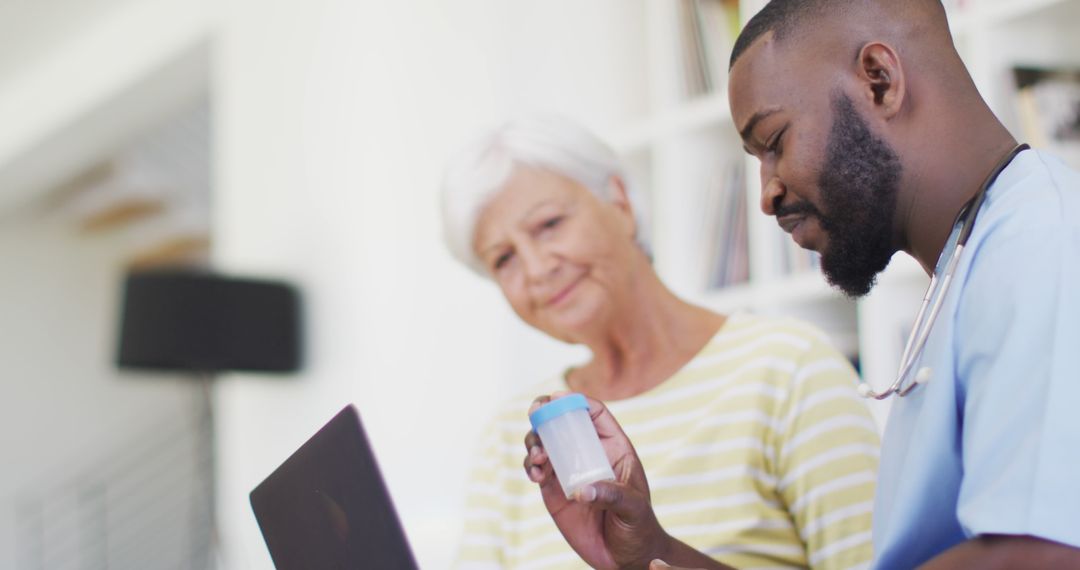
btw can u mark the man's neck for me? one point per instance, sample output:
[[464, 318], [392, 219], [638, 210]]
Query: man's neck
[[945, 187]]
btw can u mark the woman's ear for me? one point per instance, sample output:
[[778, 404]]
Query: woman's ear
[[619, 198], [882, 78]]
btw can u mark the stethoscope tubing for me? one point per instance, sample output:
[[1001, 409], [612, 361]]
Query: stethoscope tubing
[[935, 295]]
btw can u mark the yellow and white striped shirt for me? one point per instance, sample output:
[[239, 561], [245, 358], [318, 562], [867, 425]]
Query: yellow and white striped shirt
[[758, 452]]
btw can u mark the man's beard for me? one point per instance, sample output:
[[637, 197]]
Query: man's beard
[[859, 184]]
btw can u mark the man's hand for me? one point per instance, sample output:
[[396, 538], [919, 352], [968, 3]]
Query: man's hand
[[609, 524], [661, 565]]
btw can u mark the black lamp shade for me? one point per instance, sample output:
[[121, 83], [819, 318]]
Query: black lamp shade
[[178, 320]]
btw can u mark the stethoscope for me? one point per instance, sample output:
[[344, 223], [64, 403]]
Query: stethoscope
[[935, 296]]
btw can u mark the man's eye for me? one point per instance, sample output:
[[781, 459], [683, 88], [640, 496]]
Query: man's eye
[[551, 223], [774, 143]]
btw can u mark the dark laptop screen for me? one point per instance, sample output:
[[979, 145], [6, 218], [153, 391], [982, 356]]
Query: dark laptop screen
[[327, 505]]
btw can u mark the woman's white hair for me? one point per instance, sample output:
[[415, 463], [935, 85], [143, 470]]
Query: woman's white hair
[[480, 169]]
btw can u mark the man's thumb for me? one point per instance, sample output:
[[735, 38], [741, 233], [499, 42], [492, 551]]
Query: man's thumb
[[618, 498]]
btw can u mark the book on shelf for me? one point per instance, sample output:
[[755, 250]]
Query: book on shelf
[[723, 231], [798, 260], [789, 258], [1048, 105], [707, 32], [697, 81]]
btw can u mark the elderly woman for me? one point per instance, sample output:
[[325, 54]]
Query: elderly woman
[[757, 449]]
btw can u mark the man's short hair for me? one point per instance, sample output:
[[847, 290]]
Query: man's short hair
[[780, 17], [783, 17]]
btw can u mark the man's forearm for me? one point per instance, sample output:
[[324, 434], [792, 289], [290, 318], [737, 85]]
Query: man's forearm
[[1006, 552], [681, 555]]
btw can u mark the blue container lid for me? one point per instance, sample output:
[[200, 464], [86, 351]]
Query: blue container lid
[[556, 408]]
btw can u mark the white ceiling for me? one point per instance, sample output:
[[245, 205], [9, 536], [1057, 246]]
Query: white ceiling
[[50, 51], [30, 28]]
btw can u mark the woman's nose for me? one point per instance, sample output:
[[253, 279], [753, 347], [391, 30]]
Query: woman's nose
[[538, 263]]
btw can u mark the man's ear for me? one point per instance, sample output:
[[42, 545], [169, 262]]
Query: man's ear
[[882, 78], [619, 198]]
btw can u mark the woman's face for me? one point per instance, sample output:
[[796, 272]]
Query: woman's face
[[563, 258]]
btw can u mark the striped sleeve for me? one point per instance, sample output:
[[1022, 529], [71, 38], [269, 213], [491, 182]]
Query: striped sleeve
[[481, 541], [827, 458]]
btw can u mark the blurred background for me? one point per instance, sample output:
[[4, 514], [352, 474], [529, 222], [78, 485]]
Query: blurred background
[[302, 142]]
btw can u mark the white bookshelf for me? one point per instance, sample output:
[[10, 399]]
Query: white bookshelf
[[674, 149], [710, 110], [969, 17]]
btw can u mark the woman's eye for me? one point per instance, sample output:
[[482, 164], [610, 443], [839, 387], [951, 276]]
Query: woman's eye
[[552, 222], [502, 260]]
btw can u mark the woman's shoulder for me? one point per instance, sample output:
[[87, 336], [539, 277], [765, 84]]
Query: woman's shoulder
[[744, 329], [772, 349], [513, 410]]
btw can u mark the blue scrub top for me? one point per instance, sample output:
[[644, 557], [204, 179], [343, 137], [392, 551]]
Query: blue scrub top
[[991, 444]]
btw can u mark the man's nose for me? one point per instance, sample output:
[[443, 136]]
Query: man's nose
[[772, 192]]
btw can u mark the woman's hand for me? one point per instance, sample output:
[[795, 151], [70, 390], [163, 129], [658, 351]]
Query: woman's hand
[[609, 524]]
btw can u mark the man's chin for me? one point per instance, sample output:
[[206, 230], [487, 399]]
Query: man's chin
[[809, 235], [850, 281]]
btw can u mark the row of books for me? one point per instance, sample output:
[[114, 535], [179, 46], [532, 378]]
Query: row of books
[[725, 236], [721, 237], [708, 29], [793, 259], [1048, 106]]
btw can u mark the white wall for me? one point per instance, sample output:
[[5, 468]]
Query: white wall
[[335, 118], [69, 96], [64, 407]]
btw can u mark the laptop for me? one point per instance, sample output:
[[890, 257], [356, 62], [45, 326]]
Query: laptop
[[328, 507]]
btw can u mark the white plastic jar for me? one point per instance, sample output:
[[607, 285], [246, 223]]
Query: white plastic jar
[[571, 442]]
